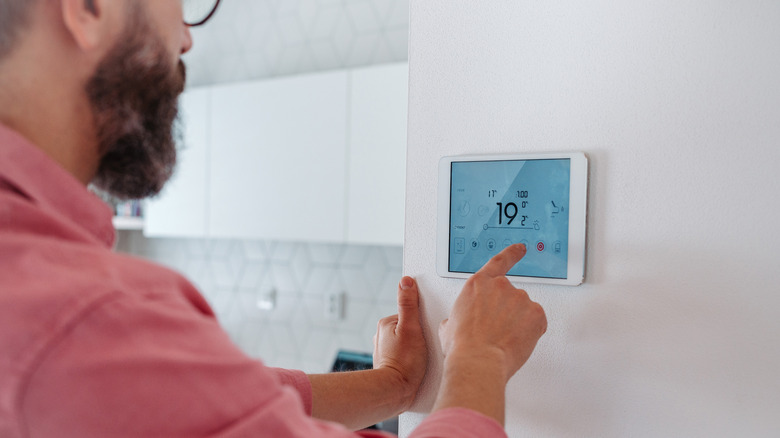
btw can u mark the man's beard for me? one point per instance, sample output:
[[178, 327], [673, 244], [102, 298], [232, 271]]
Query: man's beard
[[133, 95]]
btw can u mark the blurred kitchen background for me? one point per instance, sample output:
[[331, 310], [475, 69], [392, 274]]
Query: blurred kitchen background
[[292, 302]]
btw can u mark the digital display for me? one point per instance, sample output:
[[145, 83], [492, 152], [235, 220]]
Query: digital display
[[494, 204]]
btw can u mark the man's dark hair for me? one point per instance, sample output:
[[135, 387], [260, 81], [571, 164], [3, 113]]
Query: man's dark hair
[[13, 17]]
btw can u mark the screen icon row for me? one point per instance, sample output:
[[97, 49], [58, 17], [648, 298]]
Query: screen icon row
[[459, 244]]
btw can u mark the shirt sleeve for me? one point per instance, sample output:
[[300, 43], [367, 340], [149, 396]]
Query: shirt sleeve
[[458, 423], [298, 381]]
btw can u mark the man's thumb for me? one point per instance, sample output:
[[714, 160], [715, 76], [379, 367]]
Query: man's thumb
[[408, 301]]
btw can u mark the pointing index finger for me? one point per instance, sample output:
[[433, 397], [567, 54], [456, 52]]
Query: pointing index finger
[[502, 262]]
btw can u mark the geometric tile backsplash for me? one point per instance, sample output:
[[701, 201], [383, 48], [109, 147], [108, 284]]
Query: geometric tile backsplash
[[234, 275], [255, 39], [252, 39]]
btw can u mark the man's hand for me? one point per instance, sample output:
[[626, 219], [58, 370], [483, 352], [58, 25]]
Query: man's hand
[[359, 399], [399, 344], [491, 333], [491, 314]]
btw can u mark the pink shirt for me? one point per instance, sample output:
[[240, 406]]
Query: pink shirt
[[99, 344]]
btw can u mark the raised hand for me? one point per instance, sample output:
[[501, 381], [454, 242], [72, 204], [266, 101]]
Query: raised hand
[[399, 344], [490, 334]]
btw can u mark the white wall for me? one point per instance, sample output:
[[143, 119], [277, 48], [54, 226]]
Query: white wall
[[676, 331]]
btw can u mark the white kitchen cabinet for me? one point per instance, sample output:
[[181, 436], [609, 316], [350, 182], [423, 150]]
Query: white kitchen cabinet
[[377, 158], [317, 157], [278, 159], [180, 210]]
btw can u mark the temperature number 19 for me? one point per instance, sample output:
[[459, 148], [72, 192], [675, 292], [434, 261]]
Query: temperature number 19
[[504, 210], [510, 211]]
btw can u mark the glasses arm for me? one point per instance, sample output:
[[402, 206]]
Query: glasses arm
[[204, 20]]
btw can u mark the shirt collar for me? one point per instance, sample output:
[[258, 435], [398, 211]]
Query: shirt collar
[[32, 173]]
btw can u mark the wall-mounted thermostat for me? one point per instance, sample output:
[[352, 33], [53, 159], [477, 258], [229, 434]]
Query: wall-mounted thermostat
[[488, 202]]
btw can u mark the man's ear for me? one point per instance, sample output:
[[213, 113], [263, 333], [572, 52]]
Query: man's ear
[[85, 20]]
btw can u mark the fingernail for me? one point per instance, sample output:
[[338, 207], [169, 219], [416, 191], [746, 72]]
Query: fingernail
[[406, 283]]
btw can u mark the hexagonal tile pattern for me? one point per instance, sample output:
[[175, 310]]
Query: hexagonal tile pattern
[[374, 267], [283, 340], [324, 254], [255, 250], [234, 275], [252, 275], [283, 278], [248, 304], [354, 255], [254, 39], [355, 282], [322, 281]]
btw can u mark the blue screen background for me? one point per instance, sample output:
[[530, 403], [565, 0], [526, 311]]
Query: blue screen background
[[535, 192]]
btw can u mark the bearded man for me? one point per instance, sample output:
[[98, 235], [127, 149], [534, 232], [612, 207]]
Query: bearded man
[[94, 343]]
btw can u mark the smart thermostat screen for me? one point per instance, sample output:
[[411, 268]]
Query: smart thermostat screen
[[494, 204]]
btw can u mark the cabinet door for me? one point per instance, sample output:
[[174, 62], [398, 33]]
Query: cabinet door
[[180, 210], [278, 159], [377, 168]]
